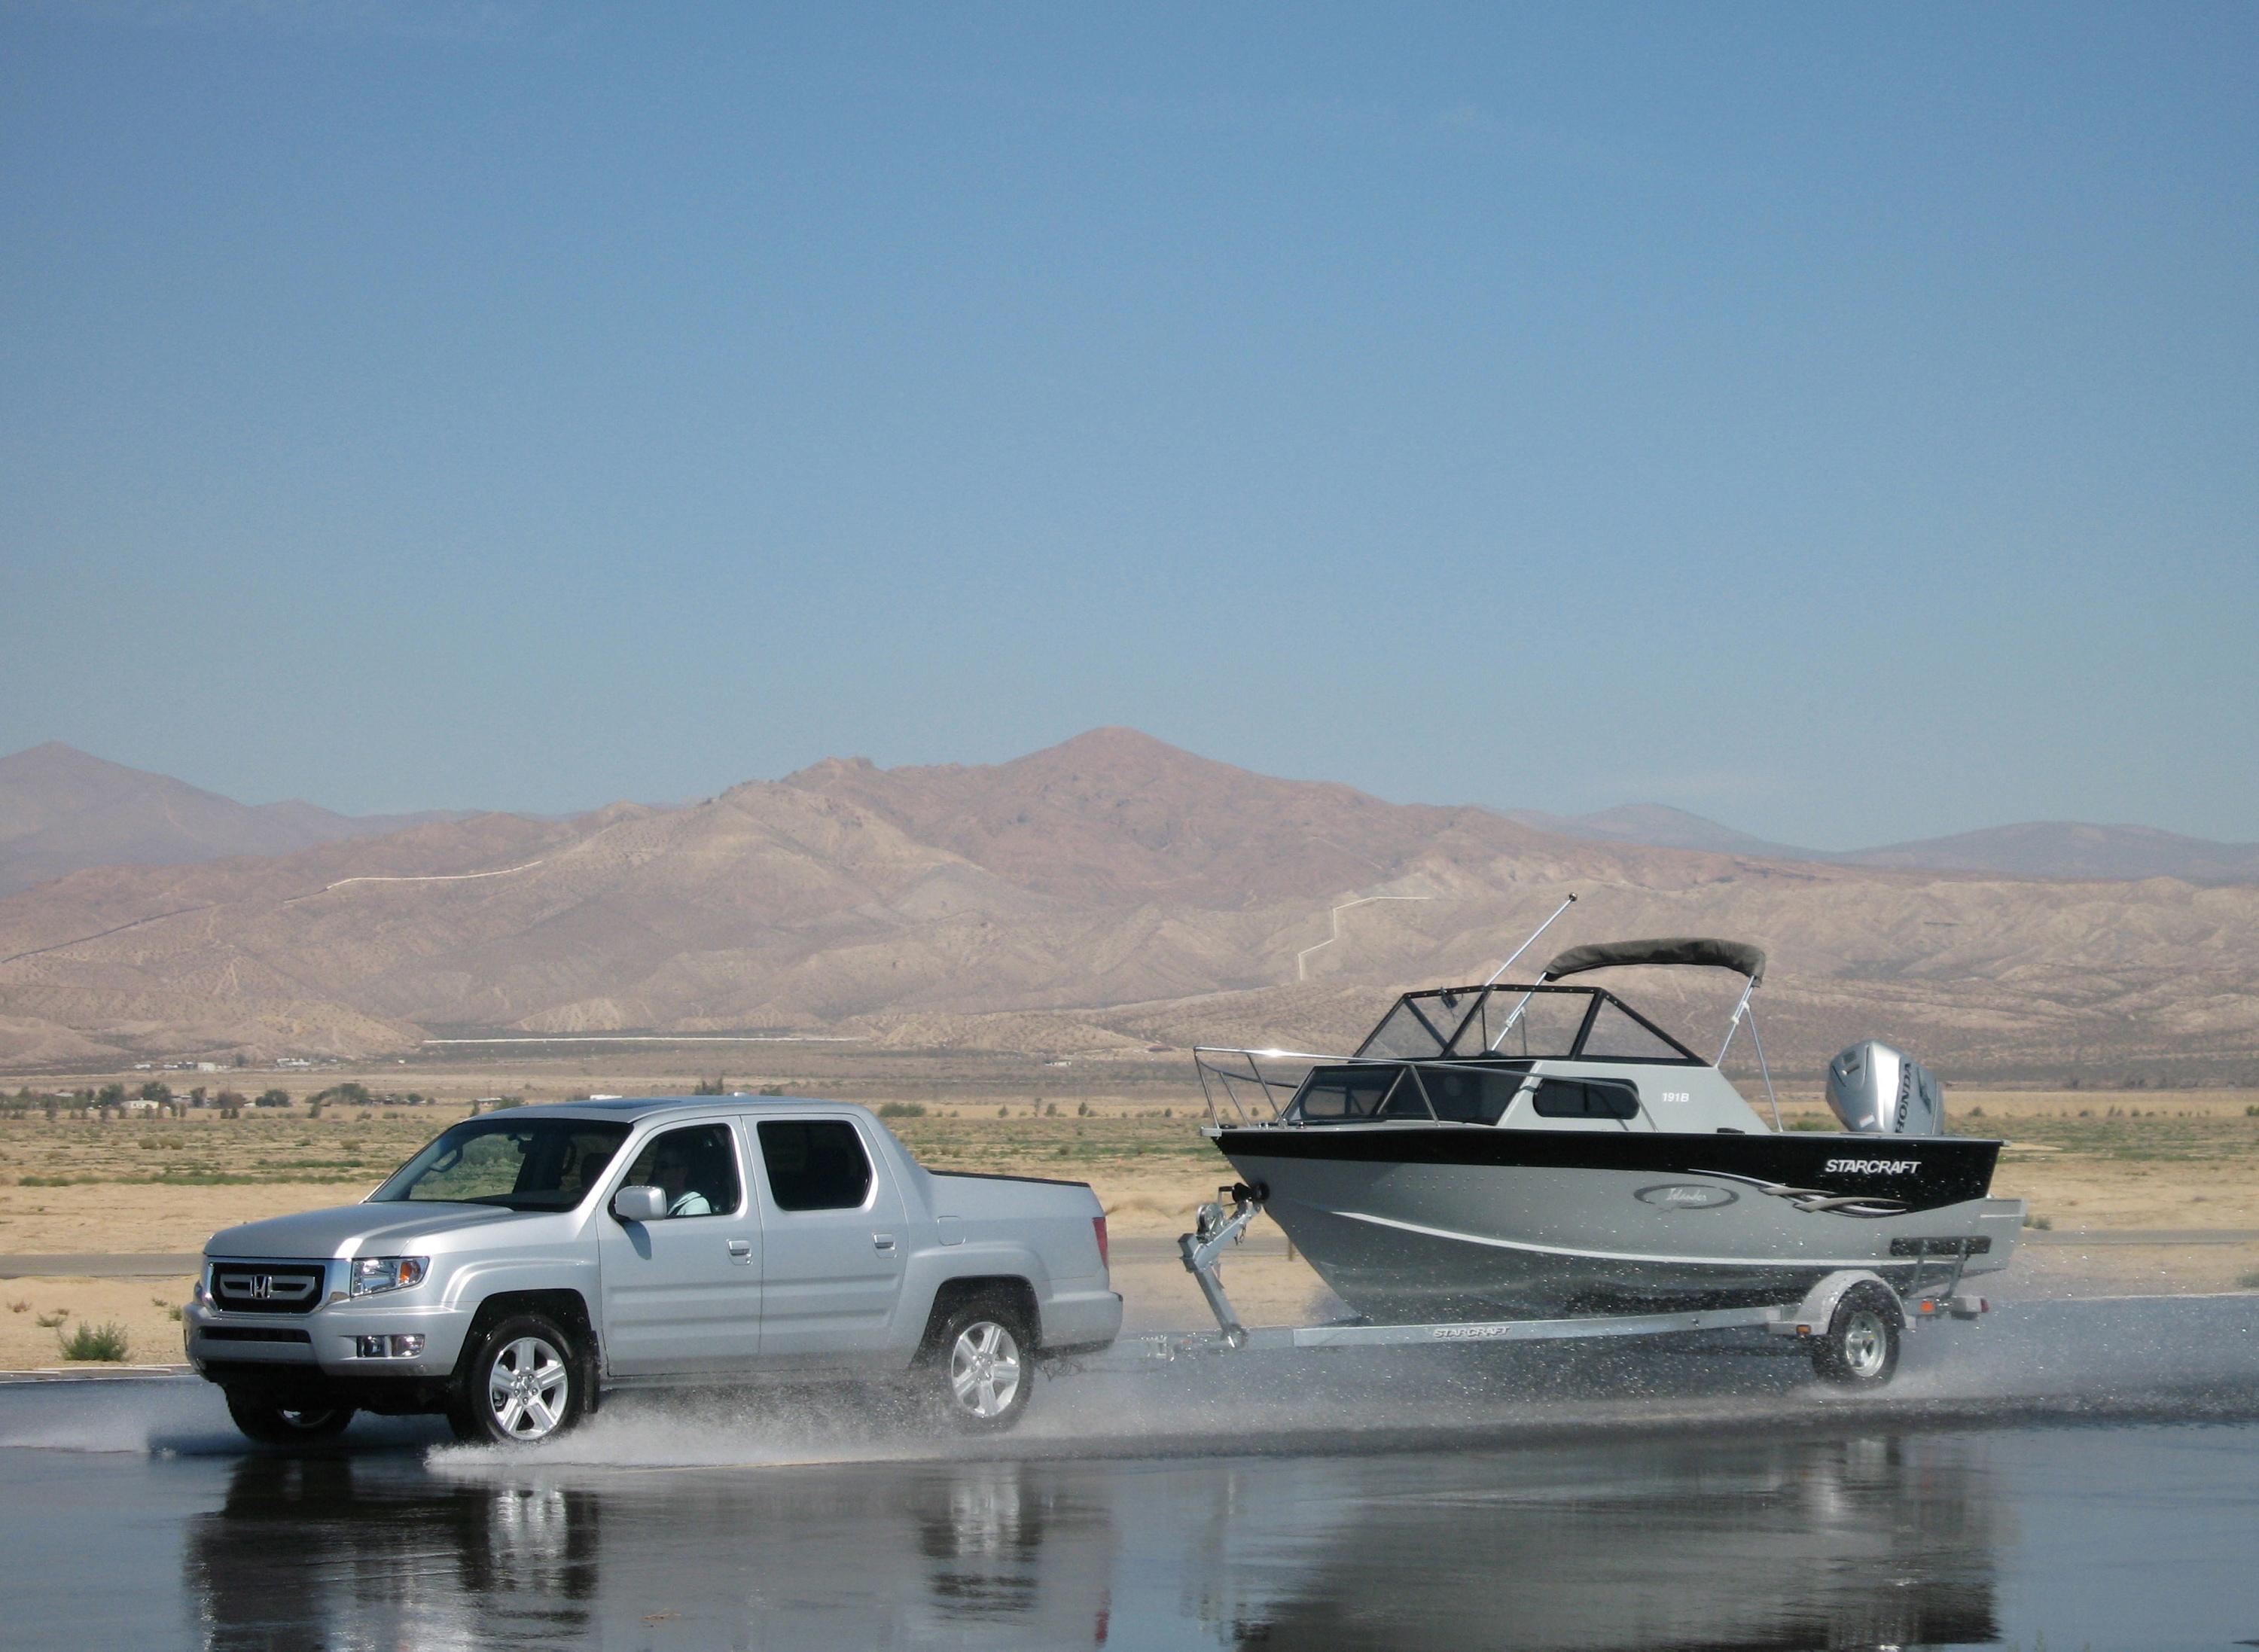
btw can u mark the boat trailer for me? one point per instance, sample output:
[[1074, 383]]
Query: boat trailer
[[1850, 1319]]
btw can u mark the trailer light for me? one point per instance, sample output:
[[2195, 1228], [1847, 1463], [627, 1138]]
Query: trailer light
[[1804, 1331], [1925, 1306]]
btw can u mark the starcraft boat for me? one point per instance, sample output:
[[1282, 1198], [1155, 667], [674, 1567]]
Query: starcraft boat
[[1545, 1151]]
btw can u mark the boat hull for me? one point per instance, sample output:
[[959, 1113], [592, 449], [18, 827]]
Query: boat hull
[[1420, 1223]]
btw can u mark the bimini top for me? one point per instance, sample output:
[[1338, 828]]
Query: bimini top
[[1738, 956]]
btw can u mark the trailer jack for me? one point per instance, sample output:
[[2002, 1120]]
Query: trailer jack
[[1215, 1227]]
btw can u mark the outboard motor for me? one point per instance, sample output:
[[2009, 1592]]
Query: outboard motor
[[1880, 1091]]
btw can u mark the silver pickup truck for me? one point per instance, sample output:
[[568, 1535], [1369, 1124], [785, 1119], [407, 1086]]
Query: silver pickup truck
[[525, 1261]]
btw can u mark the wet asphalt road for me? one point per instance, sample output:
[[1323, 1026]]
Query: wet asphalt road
[[2087, 1472]]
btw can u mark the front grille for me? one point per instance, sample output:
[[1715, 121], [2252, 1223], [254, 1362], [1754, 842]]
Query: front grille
[[267, 1287], [254, 1334]]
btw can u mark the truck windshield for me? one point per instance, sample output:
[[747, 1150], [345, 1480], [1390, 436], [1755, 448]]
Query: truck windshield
[[522, 1163]]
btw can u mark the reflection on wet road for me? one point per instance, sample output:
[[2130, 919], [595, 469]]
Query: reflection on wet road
[[1864, 1542], [1772, 1522]]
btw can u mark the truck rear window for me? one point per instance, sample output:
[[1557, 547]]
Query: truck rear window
[[815, 1164]]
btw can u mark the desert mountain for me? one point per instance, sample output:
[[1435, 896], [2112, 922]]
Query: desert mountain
[[2070, 848], [1102, 893], [1659, 826], [2036, 849], [62, 810]]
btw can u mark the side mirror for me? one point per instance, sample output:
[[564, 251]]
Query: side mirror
[[639, 1204]]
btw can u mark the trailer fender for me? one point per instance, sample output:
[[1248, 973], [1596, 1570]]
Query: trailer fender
[[1818, 1307]]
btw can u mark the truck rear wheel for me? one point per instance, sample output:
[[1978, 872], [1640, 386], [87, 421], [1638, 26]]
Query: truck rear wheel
[[1860, 1347], [978, 1370], [268, 1421], [525, 1381]]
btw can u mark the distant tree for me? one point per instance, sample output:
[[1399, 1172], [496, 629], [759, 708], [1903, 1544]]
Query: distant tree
[[111, 1095], [347, 1094], [157, 1090], [231, 1104], [272, 1099], [716, 1086]]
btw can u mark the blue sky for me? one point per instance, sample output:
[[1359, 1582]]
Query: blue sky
[[1837, 422]]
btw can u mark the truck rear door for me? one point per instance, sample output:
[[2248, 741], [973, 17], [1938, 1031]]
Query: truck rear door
[[833, 1238]]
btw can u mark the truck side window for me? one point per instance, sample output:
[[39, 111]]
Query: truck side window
[[815, 1164], [696, 1167]]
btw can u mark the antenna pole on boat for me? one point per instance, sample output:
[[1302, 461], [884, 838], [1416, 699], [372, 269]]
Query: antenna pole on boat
[[1515, 1013], [1526, 946]]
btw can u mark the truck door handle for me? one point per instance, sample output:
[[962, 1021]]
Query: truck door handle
[[741, 1249], [882, 1241]]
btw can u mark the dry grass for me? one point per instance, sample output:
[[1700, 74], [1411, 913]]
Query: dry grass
[[2085, 1160], [147, 1319]]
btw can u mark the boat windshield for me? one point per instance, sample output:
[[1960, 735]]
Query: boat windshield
[[1464, 1022], [520, 1164], [1387, 1090]]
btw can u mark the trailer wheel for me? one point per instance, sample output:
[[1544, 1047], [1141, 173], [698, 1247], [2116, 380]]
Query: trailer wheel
[[270, 1422], [1860, 1347], [980, 1372]]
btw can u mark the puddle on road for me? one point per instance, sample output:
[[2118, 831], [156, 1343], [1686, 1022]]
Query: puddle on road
[[1966, 1537]]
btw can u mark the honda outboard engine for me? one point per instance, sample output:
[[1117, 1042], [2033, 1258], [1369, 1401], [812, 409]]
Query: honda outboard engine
[[1880, 1091]]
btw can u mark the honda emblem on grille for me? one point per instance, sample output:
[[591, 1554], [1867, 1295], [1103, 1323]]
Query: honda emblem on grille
[[262, 1285]]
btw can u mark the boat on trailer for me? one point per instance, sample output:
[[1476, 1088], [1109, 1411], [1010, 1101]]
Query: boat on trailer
[[1544, 1154]]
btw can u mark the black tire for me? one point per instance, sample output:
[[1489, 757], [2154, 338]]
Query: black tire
[[527, 1379], [1860, 1347], [268, 1420], [978, 1370]]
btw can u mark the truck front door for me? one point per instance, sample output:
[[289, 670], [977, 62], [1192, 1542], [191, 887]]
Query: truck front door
[[682, 1294], [833, 1232]]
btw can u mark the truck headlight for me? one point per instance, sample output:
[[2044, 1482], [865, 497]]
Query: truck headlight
[[371, 1275]]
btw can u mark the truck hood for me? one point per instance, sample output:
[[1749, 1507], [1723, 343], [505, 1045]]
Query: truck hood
[[351, 1230]]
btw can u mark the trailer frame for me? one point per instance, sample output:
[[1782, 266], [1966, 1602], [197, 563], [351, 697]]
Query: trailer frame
[[1223, 1222]]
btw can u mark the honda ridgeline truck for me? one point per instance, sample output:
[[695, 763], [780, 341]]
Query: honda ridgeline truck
[[527, 1261]]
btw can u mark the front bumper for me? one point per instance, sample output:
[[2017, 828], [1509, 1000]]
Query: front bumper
[[328, 1342]]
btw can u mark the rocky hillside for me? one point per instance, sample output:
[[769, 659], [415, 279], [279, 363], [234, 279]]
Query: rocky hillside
[[1107, 893]]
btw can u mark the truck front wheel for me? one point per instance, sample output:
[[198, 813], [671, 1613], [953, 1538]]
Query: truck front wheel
[[266, 1420], [525, 1381], [978, 1373]]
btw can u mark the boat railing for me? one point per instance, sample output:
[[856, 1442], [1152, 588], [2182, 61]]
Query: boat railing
[[1253, 1087]]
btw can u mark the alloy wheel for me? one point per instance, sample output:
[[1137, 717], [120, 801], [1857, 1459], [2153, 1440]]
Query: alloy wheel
[[528, 1387], [984, 1368]]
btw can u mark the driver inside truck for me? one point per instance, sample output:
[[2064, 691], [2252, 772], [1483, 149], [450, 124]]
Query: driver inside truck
[[693, 1169]]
